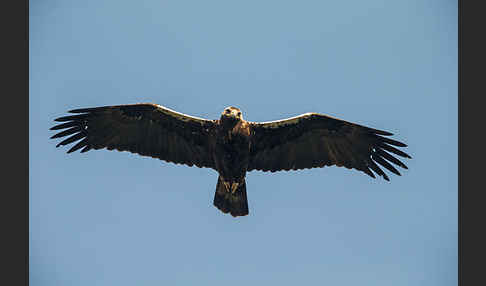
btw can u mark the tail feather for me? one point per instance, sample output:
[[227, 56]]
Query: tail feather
[[234, 203]]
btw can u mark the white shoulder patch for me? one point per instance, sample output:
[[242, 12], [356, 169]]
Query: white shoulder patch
[[181, 116], [283, 122]]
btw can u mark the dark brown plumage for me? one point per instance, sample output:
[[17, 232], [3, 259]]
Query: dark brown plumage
[[231, 145]]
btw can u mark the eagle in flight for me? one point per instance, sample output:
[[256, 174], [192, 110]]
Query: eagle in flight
[[231, 145]]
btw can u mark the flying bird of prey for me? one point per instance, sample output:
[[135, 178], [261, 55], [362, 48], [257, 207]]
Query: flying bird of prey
[[231, 145]]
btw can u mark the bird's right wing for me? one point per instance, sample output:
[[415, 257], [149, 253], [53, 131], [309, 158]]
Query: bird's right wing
[[315, 140], [146, 129]]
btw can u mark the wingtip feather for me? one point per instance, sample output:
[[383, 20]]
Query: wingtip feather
[[84, 110]]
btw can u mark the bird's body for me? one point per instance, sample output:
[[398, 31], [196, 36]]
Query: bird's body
[[232, 149], [231, 145]]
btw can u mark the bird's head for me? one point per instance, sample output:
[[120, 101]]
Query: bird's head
[[232, 113]]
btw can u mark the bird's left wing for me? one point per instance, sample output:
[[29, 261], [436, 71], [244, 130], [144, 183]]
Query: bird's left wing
[[314, 140], [146, 129]]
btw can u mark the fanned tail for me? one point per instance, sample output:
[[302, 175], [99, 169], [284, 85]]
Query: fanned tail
[[234, 203]]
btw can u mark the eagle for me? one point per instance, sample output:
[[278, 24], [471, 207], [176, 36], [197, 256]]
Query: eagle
[[230, 145]]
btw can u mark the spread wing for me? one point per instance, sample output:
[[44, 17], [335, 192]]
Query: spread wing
[[314, 140], [146, 129]]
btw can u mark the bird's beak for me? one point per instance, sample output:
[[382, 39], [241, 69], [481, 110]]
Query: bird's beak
[[233, 114]]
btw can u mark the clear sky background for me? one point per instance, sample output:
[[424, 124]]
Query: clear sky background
[[116, 218]]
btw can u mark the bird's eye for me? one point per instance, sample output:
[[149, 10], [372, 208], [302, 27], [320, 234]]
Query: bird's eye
[[239, 113], [227, 111]]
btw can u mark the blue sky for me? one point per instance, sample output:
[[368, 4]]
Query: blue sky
[[115, 218]]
